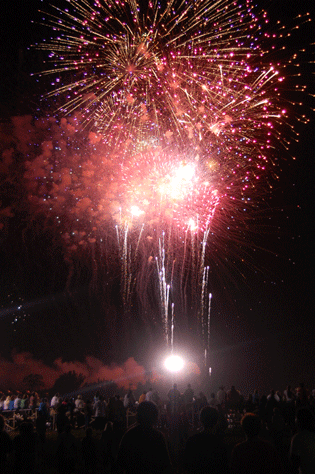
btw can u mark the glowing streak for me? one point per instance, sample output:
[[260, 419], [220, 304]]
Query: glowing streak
[[172, 327], [209, 327], [164, 287]]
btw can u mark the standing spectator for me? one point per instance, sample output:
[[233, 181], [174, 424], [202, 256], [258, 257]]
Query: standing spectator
[[155, 398], [64, 403], [142, 397], [149, 394], [2, 400], [88, 412], [62, 421], [67, 452], [222, 423], [107, 447], [41, 420], [174, 398], [5, 446], [32, 402], [280, 396], [277, 429], [212, 400], [99, 412], [262, 409], [249, 405], [143, 448], [233, 398], [272, 402], [188, 395], [302, 395], [43, 408], [41, 430], [89, 453], [24, 447], [78, 411], [288, 395], [17, 402], [116, 412], [6, 403], [24, 401], [254, 456], [69, 405], [221, 396], [55, 401], [205, 452], [302, 450], [289, 407], [256, 398], [129, 400], [202, 401], [79, 403]]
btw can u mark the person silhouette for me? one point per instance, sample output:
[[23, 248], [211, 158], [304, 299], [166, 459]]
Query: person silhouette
[[254, 455], [143, 448], [205, 451]]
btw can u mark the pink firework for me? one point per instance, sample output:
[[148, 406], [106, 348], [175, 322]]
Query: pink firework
[[166, 188]]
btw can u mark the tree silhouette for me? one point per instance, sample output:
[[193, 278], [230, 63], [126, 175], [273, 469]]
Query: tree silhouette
[[68, 382]]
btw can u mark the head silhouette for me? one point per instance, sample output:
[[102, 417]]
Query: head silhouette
[[209, 417], [251, 424], [147, 414], [305, 419]]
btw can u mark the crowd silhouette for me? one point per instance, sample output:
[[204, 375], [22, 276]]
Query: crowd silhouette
[[148, 434]]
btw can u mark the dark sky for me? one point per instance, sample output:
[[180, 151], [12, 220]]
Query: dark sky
[[262, 314]]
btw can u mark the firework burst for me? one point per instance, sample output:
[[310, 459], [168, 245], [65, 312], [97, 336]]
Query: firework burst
[[155, 73], [181, 109]]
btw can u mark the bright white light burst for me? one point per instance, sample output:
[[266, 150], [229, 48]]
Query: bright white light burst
[[174, 363], [136, 211]]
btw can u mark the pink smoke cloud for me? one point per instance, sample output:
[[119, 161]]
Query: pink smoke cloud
[[22, 364]]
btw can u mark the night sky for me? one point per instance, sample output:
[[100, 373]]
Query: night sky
[[262, 329]]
